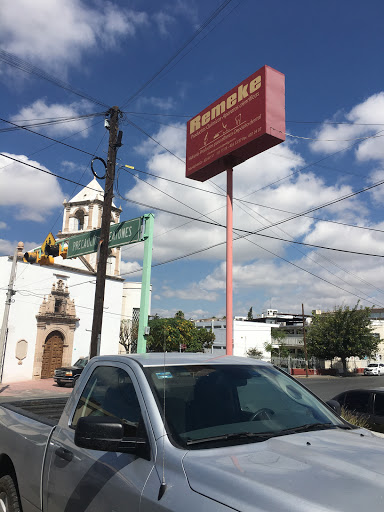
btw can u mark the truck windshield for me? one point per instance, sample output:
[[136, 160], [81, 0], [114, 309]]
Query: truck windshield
[[80, 363], [213, 405]]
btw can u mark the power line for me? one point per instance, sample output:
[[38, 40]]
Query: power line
[[154, 140], [46, 137], [351, 123], [48, 122], [46, 172], [207, 21], [327, 140], [250, 202], [13, 60], [310, 165], [247, 232], [300, 251]]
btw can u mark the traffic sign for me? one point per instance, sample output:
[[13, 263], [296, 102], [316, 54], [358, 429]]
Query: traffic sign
[[50, 240], [124, 233]]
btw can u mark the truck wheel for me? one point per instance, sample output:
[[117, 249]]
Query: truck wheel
[[9, 500], [61, 384]]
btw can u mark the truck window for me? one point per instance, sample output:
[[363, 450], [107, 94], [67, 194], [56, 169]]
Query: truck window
[[110, 392], [358, 401], [379, 404], [205, 401]]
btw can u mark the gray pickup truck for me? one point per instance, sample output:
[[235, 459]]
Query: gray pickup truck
[[186, 433]]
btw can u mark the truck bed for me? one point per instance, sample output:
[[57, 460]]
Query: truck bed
[[45, 410]]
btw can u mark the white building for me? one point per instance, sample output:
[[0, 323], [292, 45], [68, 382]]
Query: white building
[[50, 318], [246, 336]]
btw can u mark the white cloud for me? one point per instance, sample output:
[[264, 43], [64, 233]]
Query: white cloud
[[193, 292], [257, 272], [56, 33], [40, 111], [7, 247], [164, 22], [362, 118], [69, 166], [3, 225], [20, 185], [131, 267], [159, 103], [298, 193]]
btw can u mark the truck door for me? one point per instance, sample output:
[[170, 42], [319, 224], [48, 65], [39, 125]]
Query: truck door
[[83, 480]]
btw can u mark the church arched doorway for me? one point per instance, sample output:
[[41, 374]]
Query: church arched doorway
[[52, 354]]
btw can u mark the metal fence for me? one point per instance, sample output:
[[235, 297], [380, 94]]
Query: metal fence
[[294, 362]]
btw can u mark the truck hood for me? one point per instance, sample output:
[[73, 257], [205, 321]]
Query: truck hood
[[320, 471]]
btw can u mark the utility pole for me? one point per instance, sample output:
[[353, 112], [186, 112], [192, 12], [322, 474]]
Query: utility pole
[[4, 326], [104, 233], [305, 342]]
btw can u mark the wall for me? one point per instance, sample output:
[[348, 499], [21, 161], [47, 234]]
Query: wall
[[247, 335], [33, 282], [131, 299]]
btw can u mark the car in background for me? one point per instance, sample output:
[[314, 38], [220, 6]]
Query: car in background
[[366, 403], [70, 374], [374, 369]]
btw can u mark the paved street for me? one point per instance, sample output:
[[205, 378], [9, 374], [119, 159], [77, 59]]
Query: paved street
[[327, 387], [43, 388]]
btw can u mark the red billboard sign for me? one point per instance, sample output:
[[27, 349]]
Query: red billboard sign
[[245, 121]]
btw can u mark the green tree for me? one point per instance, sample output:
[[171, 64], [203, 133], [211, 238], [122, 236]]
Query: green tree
[[342, 333], [171, 333], [250, 314], [278, 335], [179, 314]]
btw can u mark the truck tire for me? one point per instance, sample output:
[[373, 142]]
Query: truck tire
[[9, 500], [60, 384]]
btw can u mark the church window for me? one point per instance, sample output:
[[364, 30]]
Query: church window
[[80, 220], [59, 306]]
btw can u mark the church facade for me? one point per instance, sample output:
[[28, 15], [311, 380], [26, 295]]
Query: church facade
[[50, 318]]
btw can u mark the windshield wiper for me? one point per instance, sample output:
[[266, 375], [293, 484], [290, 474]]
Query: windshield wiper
[[235, 435], [311, 426]]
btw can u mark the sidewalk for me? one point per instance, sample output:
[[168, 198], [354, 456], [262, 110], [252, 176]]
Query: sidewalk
[[42, 388]]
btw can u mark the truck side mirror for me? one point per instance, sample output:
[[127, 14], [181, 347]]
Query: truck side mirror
[[334, 404], [107, 434]]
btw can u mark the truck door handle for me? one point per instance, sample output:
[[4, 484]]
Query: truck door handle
[[64, 454]]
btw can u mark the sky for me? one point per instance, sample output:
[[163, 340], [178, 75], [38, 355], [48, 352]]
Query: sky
[[162, 63]]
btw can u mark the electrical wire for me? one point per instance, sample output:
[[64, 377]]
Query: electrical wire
[[206, 22], [293, 242], [327, 140], [46, 172], [220, 194], [46, 122], [46, 137], [13, 60], [154, 140]]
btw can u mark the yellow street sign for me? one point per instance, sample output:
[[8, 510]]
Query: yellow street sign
[[50, 240]]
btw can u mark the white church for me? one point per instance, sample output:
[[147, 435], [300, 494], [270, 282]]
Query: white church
[[50, 317]]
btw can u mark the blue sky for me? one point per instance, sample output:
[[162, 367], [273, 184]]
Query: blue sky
[[331, 55]]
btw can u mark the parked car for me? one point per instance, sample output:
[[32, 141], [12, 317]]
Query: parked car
[[374, 369], [70, 374], [185, 432], [367, 403]]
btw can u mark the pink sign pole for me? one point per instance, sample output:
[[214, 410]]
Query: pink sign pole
[[229, 296]]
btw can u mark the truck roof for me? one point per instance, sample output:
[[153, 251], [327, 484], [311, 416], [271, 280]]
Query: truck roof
[[177, 358]]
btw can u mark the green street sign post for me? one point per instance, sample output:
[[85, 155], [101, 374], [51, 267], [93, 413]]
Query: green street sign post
[[145, 283], [126, 232]]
